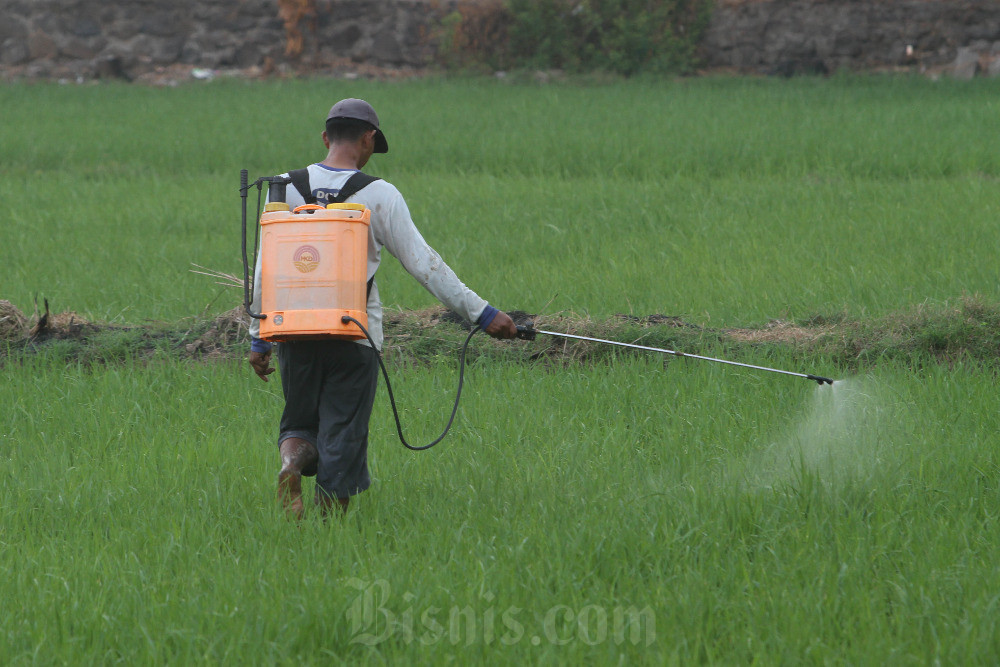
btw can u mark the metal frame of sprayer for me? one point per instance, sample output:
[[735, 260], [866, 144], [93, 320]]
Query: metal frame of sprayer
[[276, 192]]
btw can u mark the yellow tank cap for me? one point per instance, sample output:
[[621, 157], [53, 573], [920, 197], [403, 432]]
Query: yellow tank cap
[[275, 206], [347, 206]]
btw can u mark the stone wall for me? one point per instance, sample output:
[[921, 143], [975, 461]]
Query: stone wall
[[961, 37], [129, 38], [83, 39]]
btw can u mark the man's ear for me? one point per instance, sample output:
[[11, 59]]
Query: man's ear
[[326, 140]]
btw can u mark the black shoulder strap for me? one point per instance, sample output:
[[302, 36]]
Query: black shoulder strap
[[300, 179], [358, 181]]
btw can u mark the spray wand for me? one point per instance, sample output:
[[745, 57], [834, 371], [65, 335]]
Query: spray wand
[[528, 332]]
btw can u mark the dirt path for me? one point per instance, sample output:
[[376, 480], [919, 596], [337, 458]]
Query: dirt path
[[945, 333]]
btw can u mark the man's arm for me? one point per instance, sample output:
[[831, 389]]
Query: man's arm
[[404, 241]]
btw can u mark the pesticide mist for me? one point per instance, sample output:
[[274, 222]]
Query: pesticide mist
[[844, 433]]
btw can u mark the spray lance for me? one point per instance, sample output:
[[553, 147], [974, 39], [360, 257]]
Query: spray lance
[[313, 283], [528, 332]]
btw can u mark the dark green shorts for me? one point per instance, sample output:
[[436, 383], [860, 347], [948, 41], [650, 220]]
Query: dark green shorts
[[329, 388]]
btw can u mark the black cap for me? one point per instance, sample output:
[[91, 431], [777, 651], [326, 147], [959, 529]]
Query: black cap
[[360, 110]]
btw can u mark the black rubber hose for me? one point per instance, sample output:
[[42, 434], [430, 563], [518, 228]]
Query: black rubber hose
[[392, 400]]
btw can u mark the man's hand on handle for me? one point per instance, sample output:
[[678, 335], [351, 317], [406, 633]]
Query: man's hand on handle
[[502, 326]]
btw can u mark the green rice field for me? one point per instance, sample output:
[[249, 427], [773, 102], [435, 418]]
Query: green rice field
[[621, 508]]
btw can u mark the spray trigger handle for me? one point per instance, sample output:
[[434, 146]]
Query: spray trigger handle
[[526, 331]]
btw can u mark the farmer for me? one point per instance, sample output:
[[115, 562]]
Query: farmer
[[329, 385]]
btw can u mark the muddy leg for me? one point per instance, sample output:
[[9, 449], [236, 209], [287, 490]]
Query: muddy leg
[[296, 455]]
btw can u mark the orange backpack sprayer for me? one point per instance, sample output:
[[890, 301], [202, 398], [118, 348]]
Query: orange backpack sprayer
[[313, 269]]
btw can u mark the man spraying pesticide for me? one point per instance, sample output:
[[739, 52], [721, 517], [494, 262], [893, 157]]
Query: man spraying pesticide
[[329, 369], [314, 292]]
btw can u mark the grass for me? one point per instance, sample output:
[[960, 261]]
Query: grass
[[875, 128], [606, 507], [727, 202], [560, 494]]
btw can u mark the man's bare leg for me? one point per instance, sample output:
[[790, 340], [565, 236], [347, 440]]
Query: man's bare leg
[[296, 455]]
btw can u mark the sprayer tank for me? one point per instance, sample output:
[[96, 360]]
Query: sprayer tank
[[314, 265]]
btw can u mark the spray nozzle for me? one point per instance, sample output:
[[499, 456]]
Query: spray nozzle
[[821, 380]]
